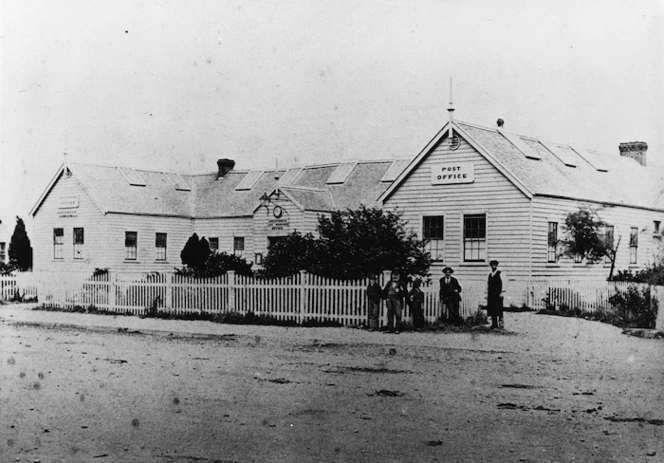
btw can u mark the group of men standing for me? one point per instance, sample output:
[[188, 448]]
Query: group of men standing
[[395, 292]]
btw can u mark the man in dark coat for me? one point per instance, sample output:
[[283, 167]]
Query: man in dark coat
[[394, 293], [494, 296], [450, 295]]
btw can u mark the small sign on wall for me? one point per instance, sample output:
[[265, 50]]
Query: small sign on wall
[[278, 224], [68, 202], [450, 173]]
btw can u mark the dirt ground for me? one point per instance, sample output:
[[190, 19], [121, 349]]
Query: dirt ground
[[547, 389]]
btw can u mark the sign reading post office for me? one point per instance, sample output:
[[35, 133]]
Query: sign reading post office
[[457, 172]]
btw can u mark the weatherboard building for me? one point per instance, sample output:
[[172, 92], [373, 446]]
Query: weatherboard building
[[474, 193]]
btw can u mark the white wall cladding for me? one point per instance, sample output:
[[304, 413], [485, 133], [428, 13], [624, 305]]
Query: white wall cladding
[[622, 218], [51, 215], [178, 230], [507, 212], [225, 230]]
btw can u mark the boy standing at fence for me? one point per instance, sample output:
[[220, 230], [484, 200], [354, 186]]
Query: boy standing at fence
[[394, 293], [415, 301], [374, 295]]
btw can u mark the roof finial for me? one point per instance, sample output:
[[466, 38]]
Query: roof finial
[[450, 110]]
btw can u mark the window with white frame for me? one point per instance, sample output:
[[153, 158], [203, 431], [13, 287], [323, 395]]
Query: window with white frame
[[552, 243], [160, 246], [214, 244], [58, 242], [474, 238], [79, 242], [131, 245], [238, 244], [633, 244], [609, 231], [3, 253], [433, 231]]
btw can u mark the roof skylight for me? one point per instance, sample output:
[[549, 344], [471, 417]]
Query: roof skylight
[[249, 180], [132, 177], [341, 173]]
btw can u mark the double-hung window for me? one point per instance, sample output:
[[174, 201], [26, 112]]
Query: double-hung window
[[474, 238], [238, 245], [433, 234], [633, 244], [609, 231], [131, 245], [58, 242], [552, 243], [160, 246], [79, 241], [214, 244]]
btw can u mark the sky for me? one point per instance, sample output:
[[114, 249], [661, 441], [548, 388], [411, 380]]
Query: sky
[[176, 85]]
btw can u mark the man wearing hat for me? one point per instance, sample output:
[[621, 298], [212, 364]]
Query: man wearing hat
[[450, 295], [494, 296], [394, 293]]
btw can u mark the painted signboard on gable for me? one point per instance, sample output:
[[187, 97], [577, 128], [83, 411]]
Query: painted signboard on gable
[[458, 172]]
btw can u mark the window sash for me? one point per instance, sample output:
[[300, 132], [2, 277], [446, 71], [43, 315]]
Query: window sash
[[474, 238], [58, 242], [131, 245], [214, 244], [608, 240], [633, 244], [433, 227], [552, 243], [160, 246], [238, 244], [79, 240]]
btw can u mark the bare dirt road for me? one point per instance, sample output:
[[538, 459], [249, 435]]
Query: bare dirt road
[[548, 389]]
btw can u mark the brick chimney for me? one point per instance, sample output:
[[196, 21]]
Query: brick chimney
[[636, 150], [225, 166]]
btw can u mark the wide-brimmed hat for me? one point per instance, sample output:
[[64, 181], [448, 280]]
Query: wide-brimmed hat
[[396, 270], [493, 262], [451, 270]]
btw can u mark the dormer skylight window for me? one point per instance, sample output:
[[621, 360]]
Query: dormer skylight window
[[177, 181], [341, 173], [394, 170], [565, 154], [526, 150], [131, 176], [595, 159], [249, 180], [289, 176]]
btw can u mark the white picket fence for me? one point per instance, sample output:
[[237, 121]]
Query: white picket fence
[[302, 297]]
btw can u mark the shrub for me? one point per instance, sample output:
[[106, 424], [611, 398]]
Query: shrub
[[217, 263], [635, 308]]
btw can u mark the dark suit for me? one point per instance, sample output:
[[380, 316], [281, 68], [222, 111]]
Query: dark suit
[[495, 298], [450, 297]]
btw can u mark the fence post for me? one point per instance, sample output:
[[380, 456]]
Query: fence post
[[168, 303], [231, 291], [304, 282], [112, 290]]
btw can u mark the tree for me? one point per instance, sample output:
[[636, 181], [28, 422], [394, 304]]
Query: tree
[[20, 250], [352, 244], [195, 251], [585, 235]]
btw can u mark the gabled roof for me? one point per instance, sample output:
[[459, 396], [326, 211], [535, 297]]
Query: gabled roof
[[236, 194], [542, 168]]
